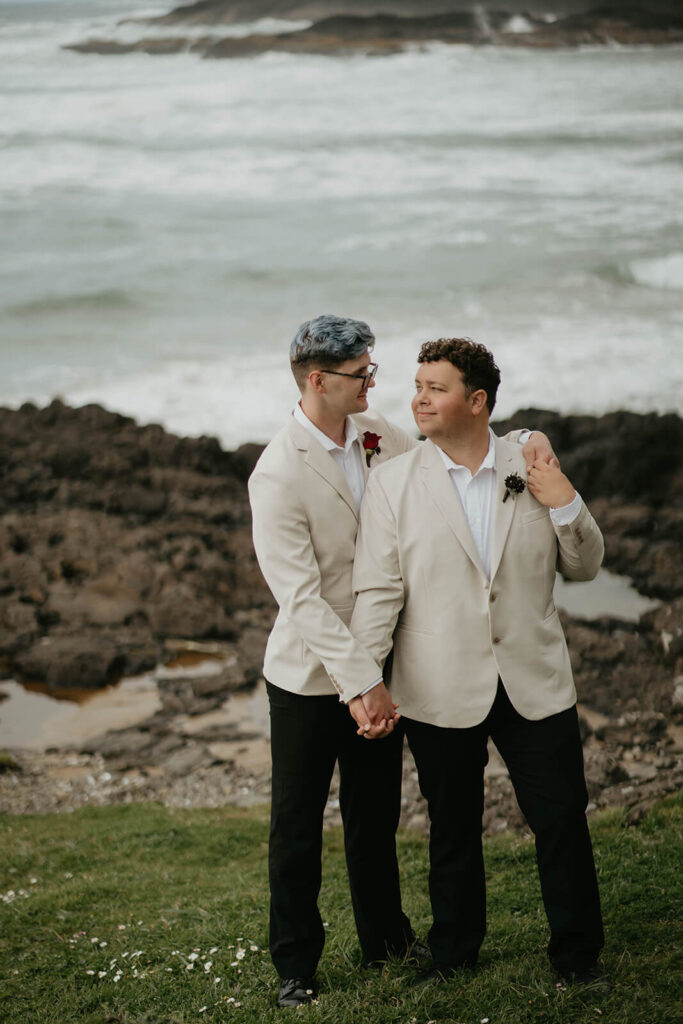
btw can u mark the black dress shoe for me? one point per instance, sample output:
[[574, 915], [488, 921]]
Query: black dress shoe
[[586, 977], [295, 992], [418, 955], [435, 976], [413, 954]]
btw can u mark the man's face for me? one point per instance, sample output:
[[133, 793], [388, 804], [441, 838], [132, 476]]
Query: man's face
[[441, 407], [349, 394]]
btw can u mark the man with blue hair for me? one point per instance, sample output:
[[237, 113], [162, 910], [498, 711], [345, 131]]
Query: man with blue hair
[[305, 495]]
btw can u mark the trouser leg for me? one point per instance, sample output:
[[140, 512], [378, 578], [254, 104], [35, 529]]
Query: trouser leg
[[450, 764], [545, 761], [370, 801], [303, 749]]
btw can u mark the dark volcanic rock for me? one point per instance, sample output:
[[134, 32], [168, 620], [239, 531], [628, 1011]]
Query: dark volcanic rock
[[114, 537], [388, 28]]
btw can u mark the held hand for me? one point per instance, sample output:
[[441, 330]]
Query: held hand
[[374, 713], [359, 714], [549, 485], [381, 710], [537, 448]]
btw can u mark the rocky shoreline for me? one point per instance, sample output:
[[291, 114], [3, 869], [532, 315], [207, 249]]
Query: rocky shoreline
[[124, 548], [341, 29]]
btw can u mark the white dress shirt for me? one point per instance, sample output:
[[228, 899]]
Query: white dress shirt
[[477, 493]]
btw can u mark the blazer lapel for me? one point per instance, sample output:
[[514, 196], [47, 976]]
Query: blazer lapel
[[503, 511], [322, 463], [444, 495]]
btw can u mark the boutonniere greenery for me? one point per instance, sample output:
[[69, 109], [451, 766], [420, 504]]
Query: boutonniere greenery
[[513, 485], [371, 445]]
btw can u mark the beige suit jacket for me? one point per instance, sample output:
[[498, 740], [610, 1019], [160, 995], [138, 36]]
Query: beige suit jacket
[[304, 528], [422, 589]]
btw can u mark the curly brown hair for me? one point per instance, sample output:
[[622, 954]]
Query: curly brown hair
[[474, 361]]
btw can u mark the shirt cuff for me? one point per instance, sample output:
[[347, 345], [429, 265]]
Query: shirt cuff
[[568, 513], [524, 436], [370, 687]]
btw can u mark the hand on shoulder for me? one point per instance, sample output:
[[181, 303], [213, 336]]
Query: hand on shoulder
[[549, 485]]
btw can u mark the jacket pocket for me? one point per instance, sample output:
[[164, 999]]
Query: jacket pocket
[[534, 515]]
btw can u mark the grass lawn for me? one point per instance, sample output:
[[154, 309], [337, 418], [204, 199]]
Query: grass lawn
[[146, 915]]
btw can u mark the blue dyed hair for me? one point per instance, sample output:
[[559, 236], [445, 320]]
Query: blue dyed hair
[[327, 341]]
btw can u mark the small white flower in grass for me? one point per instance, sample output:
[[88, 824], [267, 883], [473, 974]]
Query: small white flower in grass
[[484, 1020], [124, 955], [34, 881], [208, 965], [89, 972], [240, 954], [216, 981], [202, 1009], [101, 974], [234, 963], [170, 970], [67, 874], [214, 949], [122, 927], [240, 939], [102, 945], [192, 956], [253, 948], [95, 940], [189, 967]]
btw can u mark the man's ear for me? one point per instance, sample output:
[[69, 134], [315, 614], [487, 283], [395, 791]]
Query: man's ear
[[478, 401], [316, 381]]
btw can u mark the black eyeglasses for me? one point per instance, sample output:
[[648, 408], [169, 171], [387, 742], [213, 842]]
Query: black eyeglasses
[[365, 377]]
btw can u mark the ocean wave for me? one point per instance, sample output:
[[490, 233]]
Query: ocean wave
[[107, 299], [664, 272]]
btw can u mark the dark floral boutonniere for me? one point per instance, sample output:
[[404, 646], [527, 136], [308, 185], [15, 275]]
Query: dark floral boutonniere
[[513, 485], [371, 445]]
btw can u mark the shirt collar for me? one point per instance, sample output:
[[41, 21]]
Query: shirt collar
[[350, 431], [489, 461]]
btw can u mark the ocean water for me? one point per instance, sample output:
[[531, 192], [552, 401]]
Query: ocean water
[[167, 222]]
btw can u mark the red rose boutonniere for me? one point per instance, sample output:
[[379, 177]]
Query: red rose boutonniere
[[371, 445], [513, 485]]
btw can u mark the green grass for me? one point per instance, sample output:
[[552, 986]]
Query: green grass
[[163, 884]]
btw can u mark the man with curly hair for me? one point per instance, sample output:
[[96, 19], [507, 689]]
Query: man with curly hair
[[455, 566]]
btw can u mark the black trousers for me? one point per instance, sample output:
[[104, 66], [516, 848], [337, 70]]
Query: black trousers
[[308, 735], [545, 762]]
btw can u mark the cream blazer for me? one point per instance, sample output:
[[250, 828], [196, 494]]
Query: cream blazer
[[422, 589], [304, 528]]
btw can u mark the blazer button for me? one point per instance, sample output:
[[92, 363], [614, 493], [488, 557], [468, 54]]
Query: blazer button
[[496, 639], [493, 598]]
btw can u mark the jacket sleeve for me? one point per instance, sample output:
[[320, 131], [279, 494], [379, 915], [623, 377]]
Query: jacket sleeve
[[285, 553], [377, 579], [580, 547]]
